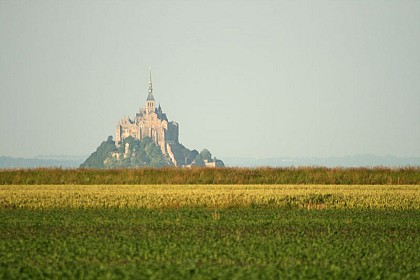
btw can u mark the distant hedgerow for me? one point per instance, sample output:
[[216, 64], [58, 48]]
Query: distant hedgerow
[[195, 175]]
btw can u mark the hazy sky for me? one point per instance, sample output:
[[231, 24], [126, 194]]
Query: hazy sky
[[242, 78]]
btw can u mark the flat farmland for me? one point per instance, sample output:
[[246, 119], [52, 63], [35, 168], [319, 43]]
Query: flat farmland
[[209, 231]]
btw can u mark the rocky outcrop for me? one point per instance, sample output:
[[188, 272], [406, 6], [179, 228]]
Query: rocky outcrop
[[145, 153]]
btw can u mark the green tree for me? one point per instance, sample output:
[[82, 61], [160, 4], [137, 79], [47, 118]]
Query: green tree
[[198, 161], [140, 153], [190, 156], [97, 158], [206, 155]]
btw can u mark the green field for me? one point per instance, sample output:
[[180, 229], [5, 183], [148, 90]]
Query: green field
[[236, 243], [221, 176], [210, 232]]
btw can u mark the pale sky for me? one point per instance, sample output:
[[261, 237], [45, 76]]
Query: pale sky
[[242, 78]]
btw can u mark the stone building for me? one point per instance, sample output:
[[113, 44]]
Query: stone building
[[151, 122]]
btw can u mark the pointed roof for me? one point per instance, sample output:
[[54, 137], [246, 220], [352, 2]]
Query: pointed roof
[[150, 95]]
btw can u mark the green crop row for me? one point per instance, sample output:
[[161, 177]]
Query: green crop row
[[199, 243], [171, 176]]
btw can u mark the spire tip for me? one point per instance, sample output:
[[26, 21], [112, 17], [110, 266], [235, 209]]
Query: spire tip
[[150, 80]]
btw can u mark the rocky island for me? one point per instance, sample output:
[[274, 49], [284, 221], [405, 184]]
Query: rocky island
[[147, 140]]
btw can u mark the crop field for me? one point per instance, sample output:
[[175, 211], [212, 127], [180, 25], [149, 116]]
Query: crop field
[[210, 231], [210, 196]]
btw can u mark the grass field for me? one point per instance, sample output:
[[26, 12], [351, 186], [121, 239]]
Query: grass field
[[210, 231], [221, 176]]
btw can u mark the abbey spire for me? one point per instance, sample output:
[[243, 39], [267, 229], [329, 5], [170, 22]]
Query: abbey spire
[[150, 95], [150, 101]]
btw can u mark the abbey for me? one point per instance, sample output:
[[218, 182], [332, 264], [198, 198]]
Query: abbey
[[157, 146], [151, 122]]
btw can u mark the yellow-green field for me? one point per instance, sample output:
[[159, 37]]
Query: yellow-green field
[[210, 196]]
